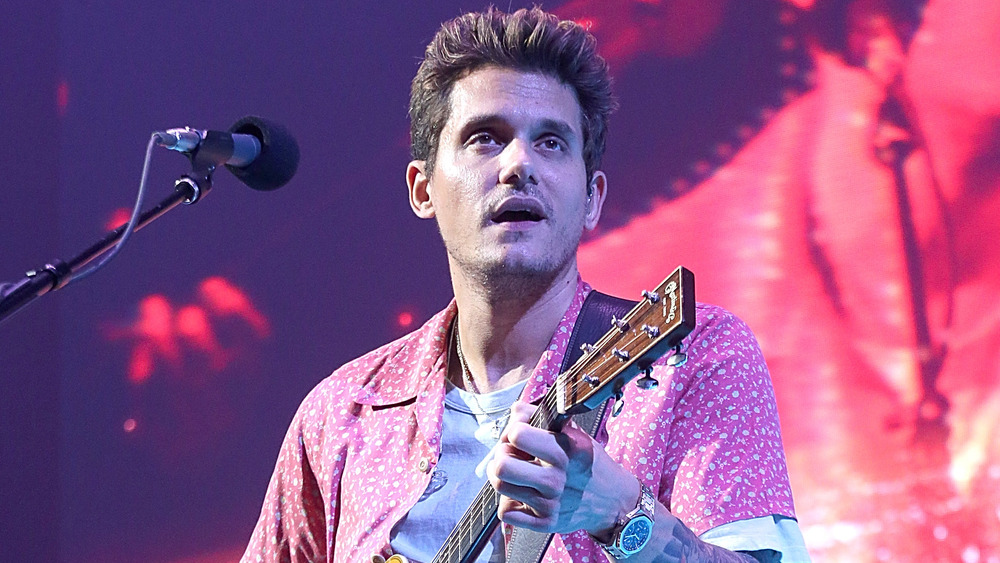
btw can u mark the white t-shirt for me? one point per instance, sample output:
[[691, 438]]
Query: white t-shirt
[[472, 426]]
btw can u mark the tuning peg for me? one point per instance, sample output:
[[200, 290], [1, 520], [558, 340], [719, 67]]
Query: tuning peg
[[619, 403], [646, 382], [622, 355], [589, 379], [678, 358], [586, 348], [652, 331], [620, 324], [650, 296]]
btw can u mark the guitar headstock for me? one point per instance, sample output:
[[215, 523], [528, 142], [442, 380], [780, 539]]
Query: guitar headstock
[[655, 325]]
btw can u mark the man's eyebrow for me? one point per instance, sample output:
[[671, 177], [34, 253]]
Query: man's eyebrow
[[476, 123], [557, 126], [481, 121]]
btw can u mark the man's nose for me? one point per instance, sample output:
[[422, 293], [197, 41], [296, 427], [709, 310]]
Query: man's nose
[[518, 165]]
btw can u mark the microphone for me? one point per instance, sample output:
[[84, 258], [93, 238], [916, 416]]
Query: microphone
[[260, 153]]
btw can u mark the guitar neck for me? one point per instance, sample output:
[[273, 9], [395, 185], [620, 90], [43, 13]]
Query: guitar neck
[[471, 534], [469, 537]]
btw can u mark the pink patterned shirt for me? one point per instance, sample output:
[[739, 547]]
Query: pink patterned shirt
[[363, 444]]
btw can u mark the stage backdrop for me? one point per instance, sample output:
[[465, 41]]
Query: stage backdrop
[[829, 170]]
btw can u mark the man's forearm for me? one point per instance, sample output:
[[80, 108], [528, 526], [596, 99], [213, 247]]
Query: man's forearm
[[673, 542]]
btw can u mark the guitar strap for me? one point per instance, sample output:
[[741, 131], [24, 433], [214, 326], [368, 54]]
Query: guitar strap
[[528, 546]]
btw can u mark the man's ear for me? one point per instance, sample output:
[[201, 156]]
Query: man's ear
[[418, 184], [597, 190]]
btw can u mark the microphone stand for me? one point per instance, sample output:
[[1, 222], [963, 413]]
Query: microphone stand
[[188, 189]]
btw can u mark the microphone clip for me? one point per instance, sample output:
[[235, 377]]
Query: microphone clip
[[203, 159], [198, 182]]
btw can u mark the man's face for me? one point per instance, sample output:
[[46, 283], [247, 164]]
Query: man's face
[[509, 186]]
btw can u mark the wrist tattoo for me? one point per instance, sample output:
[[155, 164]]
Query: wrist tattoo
[[685, 547]]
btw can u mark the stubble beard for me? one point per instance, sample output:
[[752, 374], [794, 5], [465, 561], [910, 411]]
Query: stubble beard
[[514, 278]]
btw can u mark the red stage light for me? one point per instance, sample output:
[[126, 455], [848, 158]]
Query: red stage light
[[62, 98], [165, 333], [223, 298], [404, 319], [118, 218], [155, 337]]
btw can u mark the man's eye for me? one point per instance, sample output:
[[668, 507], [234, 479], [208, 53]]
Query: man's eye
[[552, 144], [482, 139]]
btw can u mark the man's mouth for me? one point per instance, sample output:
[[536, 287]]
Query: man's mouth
[[517, 216], [519, 210]]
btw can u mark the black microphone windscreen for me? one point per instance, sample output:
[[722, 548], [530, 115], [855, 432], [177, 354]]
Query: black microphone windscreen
[[279, 154]]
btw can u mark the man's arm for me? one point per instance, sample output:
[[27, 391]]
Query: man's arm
[[673, 541], [708, 442], [292, 524]]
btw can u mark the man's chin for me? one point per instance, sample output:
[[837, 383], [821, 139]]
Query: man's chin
[[523, 275], [524, 266], [521, 262]]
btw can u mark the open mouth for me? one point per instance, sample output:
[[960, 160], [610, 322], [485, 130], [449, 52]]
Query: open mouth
[[519, 210], [517, 215]]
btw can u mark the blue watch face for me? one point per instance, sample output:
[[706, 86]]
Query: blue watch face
[[635, 534]]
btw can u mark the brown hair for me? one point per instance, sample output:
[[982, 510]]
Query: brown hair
[[526, 40]]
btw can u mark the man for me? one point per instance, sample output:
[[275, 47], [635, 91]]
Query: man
[[508, 118]]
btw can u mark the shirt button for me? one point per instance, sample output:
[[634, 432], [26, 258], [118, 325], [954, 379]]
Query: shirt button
[[424, 465]]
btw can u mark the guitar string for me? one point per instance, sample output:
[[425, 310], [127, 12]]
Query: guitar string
[[488, 495], [642, 311]]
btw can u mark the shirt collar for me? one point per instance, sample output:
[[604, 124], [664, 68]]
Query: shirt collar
[[399, 377], [404, 381]]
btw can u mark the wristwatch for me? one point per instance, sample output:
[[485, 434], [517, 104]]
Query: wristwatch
[[632, 532]]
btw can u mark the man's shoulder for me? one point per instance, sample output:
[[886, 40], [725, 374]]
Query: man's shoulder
[[718, 334], [712, 319]]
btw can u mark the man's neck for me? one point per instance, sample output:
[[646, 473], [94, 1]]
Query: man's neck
[[503, 336]]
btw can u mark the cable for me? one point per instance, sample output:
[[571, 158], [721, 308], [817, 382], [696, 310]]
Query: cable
[[133, 220]]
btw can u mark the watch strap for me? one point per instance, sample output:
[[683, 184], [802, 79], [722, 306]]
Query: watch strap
[[645, 506]]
